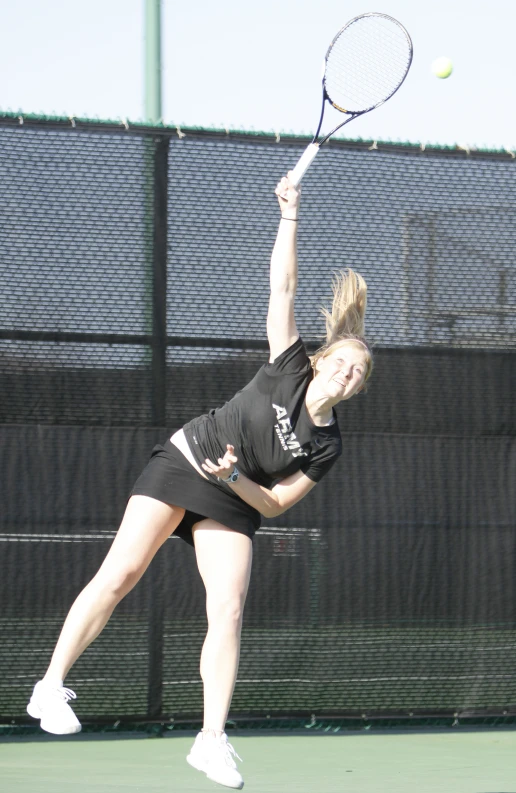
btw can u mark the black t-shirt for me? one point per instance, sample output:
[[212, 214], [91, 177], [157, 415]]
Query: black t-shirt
[[269, 426]]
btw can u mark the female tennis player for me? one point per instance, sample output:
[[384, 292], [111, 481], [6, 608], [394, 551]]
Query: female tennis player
[[259, 454]]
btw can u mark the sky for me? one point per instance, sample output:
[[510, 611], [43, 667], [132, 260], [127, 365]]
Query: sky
[[256, 65]]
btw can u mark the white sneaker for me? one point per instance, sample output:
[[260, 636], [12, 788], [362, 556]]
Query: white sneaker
[[214, 756], [50, 704]]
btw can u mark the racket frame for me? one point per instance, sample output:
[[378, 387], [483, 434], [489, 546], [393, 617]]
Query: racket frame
[[312, 149]]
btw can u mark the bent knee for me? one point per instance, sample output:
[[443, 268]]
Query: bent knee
[[118, 580]]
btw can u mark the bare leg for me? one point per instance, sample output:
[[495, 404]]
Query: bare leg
[[146, 525], [224, 559]]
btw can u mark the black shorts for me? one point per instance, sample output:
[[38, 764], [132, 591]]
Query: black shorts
[[170, 477]]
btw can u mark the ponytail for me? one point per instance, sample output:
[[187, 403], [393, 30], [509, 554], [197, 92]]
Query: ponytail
[[346, 320], [347, 316]]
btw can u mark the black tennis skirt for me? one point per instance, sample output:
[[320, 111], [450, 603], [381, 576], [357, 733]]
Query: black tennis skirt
[[170, 477]]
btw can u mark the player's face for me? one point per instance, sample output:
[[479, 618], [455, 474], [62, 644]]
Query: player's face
[[343, 370]]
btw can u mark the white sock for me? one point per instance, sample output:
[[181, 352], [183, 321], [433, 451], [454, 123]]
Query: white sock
[[209, 733], [54, 682]]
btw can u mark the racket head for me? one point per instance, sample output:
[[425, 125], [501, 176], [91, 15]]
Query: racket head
[[366, 63]]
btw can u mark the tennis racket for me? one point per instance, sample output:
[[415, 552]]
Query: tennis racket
[[365, 65]]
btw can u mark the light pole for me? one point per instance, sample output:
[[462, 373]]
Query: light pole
[[156, 159], [153, 110]]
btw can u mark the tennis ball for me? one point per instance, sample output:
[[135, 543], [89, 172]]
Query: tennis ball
[[442, 67]]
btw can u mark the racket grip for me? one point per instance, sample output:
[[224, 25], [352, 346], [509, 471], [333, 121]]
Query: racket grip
[[304, 163]]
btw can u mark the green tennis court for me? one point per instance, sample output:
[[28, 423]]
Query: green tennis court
[[427, 762]]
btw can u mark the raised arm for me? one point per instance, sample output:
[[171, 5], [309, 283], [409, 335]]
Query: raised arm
[[281, 323]]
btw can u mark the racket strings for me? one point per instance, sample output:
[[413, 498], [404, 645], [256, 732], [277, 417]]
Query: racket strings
[[366, 63]]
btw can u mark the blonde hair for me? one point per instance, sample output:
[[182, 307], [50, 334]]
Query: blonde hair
[[346, 320]]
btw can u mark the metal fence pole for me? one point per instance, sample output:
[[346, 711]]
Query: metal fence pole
[[159, 283], [159, 399]]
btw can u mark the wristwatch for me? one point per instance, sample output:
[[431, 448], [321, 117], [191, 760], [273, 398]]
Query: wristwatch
[[232, 477]]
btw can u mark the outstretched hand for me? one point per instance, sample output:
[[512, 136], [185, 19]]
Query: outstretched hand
[[288, 195], [225, 466]]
